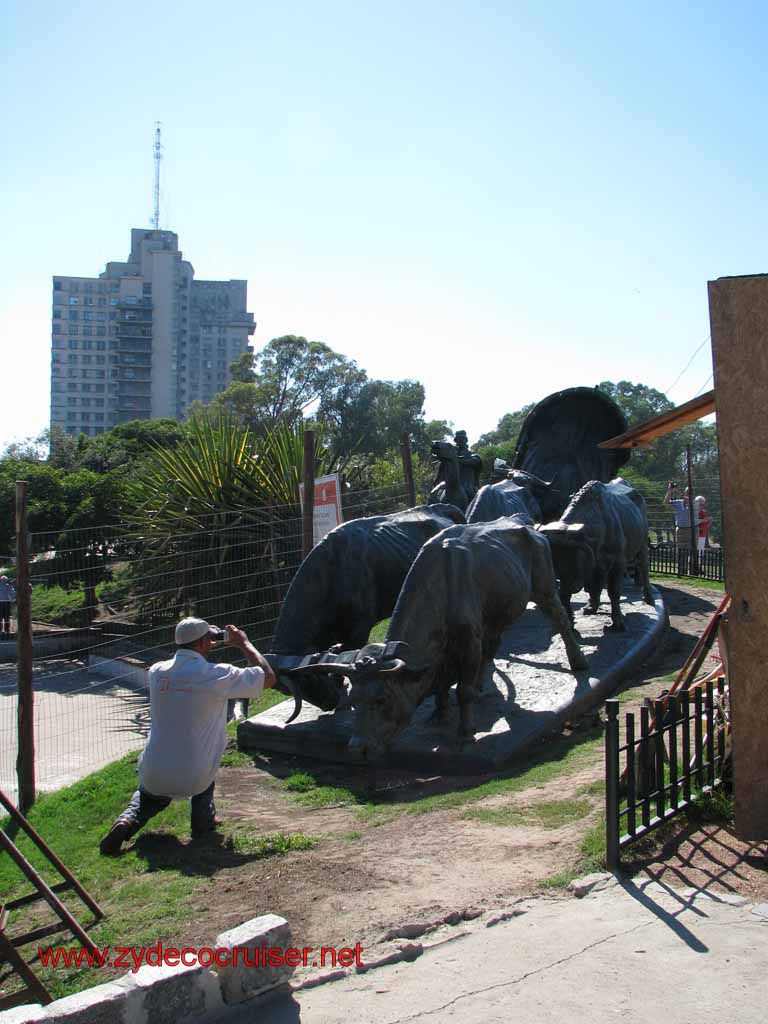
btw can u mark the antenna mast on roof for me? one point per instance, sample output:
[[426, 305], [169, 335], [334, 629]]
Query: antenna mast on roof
[[158, 158]]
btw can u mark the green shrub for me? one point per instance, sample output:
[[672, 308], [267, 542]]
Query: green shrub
[[58, 606]]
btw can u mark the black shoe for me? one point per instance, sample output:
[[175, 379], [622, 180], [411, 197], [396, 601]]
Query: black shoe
[[117, 835], [198, 833]]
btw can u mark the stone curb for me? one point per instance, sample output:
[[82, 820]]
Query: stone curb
[[168, 994]]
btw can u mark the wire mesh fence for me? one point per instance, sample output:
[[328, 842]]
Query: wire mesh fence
[[104, 603]]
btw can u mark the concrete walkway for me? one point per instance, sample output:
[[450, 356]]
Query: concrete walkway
[[82, 722], [634, 952]]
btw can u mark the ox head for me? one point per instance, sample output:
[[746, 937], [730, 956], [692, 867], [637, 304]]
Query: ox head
[[383, 696], [572, 554]]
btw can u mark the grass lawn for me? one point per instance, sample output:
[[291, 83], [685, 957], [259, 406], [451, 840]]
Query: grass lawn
[[687, 581], [145, 892]]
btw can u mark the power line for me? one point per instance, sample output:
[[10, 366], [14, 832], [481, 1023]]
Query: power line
[[687, 365], [706, 383]]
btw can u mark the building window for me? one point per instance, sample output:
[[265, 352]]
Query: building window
[[87, 344], [73, 314], [73, 300], [87, 315], [86, 387], [101, 316], [99, 417], [101, 345], [57, 286], [74, 286], [102, 332], [71, 415], [57, 314], [73, 329], [73, 343], [87, 359], [57, 328]]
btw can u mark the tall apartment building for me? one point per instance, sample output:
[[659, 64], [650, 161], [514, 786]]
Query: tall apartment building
[[143, 340]]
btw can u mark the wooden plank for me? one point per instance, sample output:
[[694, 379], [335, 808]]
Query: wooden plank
[[646, 432]]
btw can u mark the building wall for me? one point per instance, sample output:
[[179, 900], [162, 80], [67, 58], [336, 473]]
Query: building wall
[[144, 339]]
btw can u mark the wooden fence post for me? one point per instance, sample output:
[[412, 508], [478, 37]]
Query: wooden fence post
[[308, 531], [25, 760], [410, 486]]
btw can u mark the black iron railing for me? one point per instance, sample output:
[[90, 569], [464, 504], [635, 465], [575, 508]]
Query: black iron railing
[[677, 756], [678, 561]]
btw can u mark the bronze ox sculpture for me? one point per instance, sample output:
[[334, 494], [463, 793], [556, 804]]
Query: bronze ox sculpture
[[467, 585], [518, 493], [612, 535], [345, 585]]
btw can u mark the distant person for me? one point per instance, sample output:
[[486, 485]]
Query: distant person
[[188, 707], [7, 597], [681, 507], [703, 520]]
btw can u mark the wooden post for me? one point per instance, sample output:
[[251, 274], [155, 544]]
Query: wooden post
[[25, 760], [692, 518], [738, 312], [410, 486], [308, 531]]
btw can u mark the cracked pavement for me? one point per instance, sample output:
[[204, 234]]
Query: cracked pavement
[[633, 951]]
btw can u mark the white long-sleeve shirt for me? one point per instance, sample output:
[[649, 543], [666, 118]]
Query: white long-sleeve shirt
[[188, 703]]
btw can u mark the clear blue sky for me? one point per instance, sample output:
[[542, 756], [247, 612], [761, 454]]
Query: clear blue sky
[[499, 200]]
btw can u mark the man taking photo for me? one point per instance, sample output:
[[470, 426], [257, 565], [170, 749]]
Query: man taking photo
[[188, 705]]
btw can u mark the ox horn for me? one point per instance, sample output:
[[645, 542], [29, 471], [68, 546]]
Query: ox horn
[[394, 666], [296, 693]]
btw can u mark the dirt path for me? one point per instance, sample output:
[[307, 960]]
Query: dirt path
[[386, 867]]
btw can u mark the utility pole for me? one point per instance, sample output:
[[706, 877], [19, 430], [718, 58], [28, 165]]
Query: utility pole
[[158, 158]]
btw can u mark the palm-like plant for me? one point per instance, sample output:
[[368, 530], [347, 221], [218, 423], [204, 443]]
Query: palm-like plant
[[216, 521]]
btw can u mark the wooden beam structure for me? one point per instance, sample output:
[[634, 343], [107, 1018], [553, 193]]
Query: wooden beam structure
[[641, 436]]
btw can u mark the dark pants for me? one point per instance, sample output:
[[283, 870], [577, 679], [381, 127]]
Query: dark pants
[[144, 806], [5, 616]]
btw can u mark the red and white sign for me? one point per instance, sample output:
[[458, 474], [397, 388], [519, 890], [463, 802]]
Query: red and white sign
[[327, 507]]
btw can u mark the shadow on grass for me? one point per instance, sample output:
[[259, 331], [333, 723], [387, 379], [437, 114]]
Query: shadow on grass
[[212, 853], [371, 788]]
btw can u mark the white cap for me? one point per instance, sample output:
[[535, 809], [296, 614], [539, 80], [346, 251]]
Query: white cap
[[189, 630], [700, 499]]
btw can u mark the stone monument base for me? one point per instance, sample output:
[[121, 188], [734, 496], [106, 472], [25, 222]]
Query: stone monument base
[[528, 692]]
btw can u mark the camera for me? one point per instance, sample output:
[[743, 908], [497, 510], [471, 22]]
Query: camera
[[219, 636]]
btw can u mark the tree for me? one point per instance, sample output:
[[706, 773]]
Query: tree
[[243, 369], [127, 443], [507, 429], [370, 419], [288, 377]]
